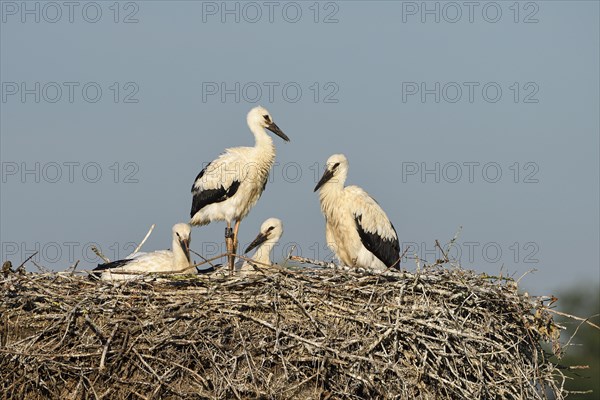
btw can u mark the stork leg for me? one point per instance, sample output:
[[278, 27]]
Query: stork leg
[[229, 244], [236, 227]]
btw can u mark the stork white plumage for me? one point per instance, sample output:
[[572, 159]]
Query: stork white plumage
[[228, 187], [176, 260], [356, 227], [270, 233]]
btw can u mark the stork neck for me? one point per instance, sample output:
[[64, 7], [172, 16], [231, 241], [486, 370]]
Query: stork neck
[[179, 257], [262, 139], [334, 186], [263, 253]]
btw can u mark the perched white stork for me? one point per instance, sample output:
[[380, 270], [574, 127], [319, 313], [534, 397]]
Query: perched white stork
[[270, 233], [228, 187], [356, 227], [176, 260]]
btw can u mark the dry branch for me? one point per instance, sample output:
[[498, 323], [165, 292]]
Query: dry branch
[[139, 246]]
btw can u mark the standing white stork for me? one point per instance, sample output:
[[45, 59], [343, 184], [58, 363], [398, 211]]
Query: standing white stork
[[270, 233], [176, 260], [356, 227], [228, 187]]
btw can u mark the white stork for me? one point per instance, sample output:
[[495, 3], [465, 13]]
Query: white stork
[[356, 227], [228, 187], [176, 260], [270, 233]]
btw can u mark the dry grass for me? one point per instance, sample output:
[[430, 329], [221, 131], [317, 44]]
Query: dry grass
[[433, 334]]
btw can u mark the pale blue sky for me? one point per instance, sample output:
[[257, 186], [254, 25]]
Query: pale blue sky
[[368, 61]]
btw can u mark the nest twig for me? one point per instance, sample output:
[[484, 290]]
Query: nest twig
[[433, 334]]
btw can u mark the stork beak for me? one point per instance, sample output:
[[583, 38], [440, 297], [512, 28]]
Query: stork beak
[[327, 175], [260, 239], [275, 129], [185, 245]]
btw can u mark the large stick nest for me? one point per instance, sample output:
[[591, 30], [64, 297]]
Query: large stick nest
[[433, 334]]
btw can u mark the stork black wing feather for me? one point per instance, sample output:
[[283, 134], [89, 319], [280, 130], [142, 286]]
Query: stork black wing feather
[[200, 175], [111, 265], [209, 196], [387, 250], [95, 275]]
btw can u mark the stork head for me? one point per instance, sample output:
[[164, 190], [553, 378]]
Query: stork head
[[336, 171], [271, 230], [182, 236], [259, 116]]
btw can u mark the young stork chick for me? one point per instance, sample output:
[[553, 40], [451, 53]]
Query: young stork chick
[[175, 260], [228, 187], [356, 228], [270, 233]]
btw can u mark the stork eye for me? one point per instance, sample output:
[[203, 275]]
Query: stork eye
[[267, 118], [337, 164], [270, 229]]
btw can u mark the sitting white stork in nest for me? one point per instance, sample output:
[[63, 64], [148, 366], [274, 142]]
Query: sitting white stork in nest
[[270, 233], [356, 228], [176, 260], [228, 187]]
